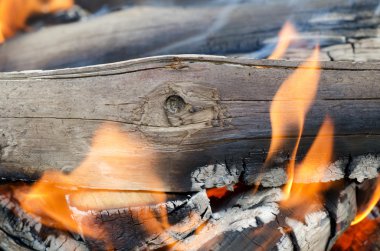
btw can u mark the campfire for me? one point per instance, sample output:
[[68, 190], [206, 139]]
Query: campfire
[[189, 125]]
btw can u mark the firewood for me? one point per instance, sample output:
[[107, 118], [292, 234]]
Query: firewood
[[15, 224], [255, 221], [241, 27], [134, 228], [126, 223], [179, 105], [9, 244], [358, 50]]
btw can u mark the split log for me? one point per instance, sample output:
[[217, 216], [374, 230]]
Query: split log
[[138, 32], [128, 225], [353, 50], [143, 227], [23, 232], [244, 220], [194, 112], [257, 222]]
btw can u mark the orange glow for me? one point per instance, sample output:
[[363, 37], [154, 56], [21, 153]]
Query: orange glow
[[289, 108], [217, 192], [14, 13], [318, 157], [373, 201], [285, 37], [112, 156], [359, 237]]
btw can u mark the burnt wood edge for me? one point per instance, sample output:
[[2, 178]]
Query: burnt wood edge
[[242, 220]]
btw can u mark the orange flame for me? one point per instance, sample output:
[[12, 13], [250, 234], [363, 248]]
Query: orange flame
[[112, 157], [318, 157], [289, 108], [59, 200], [372, 203], [286, 36], [14, 13]]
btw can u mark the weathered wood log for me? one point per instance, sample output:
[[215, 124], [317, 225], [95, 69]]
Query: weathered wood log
[[136, 32], [194, 112], [100, 5]]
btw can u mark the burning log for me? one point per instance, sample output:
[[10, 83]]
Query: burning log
[[241, 27], [180, 105]]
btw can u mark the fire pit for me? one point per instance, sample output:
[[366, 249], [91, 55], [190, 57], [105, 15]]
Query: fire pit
[[191, 152]]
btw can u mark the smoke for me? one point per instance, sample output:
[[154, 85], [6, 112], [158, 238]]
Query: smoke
[[220, 21], [377, 10]]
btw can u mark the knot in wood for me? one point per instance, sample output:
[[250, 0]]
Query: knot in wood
[[175, 104]]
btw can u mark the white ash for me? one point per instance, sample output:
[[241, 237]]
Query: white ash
[[314, 234], [236, 218], [365, 167], [216, 175]]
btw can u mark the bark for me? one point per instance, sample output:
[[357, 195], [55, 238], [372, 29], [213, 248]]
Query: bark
[[138, 32]]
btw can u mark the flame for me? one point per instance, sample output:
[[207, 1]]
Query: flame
[[286, 36], [371, 204], [289, 108], [318, 157], [320, 153], [14, 13], [112, 156], [59, 200]]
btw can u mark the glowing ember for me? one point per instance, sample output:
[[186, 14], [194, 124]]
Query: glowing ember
[[286, 36], [362, 236], [14, 13], [373, 201], [289, 108], [219, 192]]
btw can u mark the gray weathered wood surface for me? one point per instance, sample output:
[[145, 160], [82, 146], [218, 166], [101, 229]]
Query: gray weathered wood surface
[[47, 118], [148, 30]]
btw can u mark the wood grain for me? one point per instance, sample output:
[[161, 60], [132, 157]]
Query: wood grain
[[49, 117]]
